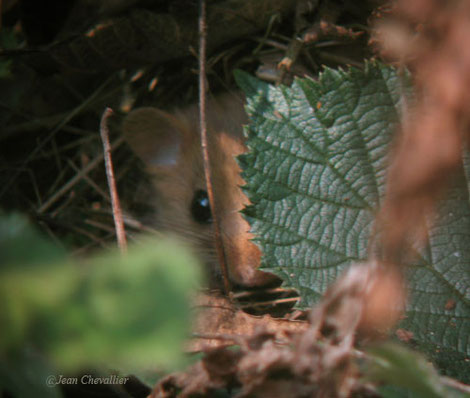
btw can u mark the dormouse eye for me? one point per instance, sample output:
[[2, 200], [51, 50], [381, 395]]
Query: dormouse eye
[[200, 207]]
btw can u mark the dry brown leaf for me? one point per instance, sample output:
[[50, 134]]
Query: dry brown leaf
[[220, 323], [286, 358]]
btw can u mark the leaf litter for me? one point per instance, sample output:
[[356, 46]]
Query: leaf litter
[[294, 359]]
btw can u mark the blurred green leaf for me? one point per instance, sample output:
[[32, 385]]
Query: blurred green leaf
[[5, 69], [395, 365], [126, 312], [315, 176], [8, 41], [137, 308], [22, 246]]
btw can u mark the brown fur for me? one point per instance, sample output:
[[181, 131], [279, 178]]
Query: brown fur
[[169, 145]]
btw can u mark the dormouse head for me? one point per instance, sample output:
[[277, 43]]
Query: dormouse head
[[169, 145]]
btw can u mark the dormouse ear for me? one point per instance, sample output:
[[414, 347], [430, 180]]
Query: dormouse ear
[[231, 144], [154, 136]]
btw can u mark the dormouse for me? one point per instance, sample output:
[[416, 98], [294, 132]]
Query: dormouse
[[169, 145]]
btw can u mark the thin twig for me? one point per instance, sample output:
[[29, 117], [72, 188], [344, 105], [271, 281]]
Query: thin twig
[[65, 188], [117, 213], [90, 182], [274, 290], [270, 303], [237, 339], [455, 384], [205, 151], [48, 222], [100, 226]]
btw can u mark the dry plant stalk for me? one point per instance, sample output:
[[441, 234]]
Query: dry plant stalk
[[204, 144], [82, 174], [426, 36], [117, 213], [430, 38]]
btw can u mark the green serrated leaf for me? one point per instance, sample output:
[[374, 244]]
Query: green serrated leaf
[[315, 175], [438, 313], [316, 171]]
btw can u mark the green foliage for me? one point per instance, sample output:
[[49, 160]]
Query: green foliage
[[315, 176], [126, 312], [5, 67], [316, 171], [22, 246], [7, 41], [395, 365]]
